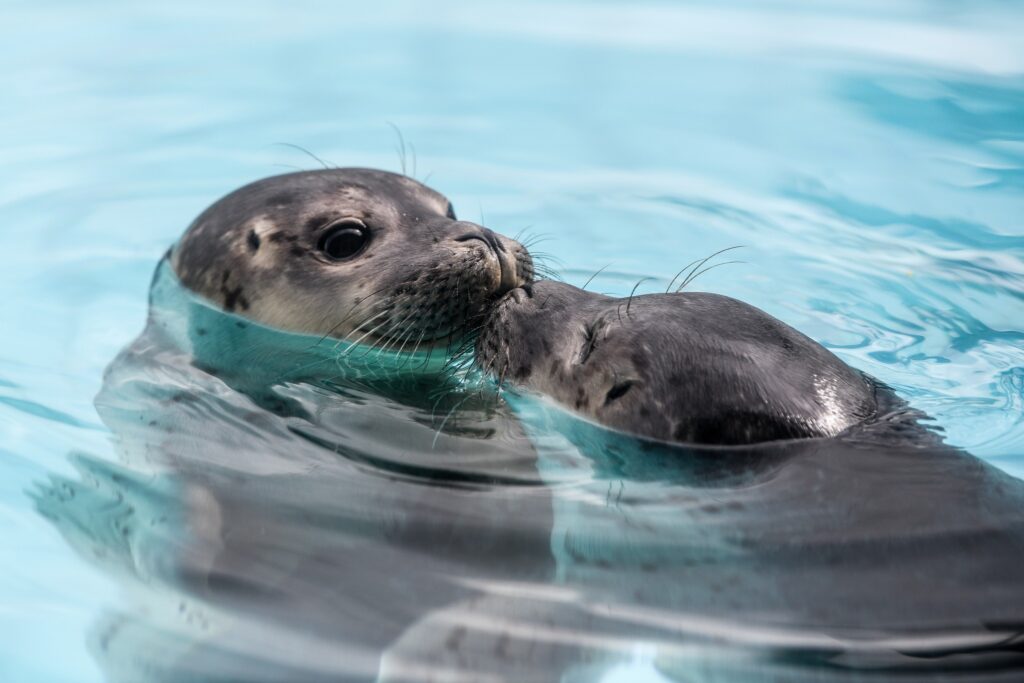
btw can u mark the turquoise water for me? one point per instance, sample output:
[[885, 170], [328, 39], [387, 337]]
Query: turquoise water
[[869, 158]]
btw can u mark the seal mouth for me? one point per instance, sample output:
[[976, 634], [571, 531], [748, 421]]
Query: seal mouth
[[518, 295]]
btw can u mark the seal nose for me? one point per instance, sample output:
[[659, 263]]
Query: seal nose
[[486, 236], [506, 261]]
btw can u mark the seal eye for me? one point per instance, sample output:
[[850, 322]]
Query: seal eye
[[451, 212], [345, 239]]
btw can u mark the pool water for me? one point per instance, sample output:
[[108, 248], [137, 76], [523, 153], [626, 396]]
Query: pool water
[[868, 159]]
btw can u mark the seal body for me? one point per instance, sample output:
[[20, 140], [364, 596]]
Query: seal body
[[350, 253], [694, 367], [355, 537]]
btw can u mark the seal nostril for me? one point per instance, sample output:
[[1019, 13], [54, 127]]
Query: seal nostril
[[485, 236], [528, 289], [474, 236], [493, 239], [508, 272]]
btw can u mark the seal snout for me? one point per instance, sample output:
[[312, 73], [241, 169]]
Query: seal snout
[[484, 235], [504, 255]]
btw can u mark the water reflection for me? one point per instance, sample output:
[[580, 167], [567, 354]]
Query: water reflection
[[268, 528], [278, 515]]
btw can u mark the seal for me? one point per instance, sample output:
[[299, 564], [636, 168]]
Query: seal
[[686, 367], [351, 253]]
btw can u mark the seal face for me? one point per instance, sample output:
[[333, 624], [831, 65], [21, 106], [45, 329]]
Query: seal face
[[358, 254], [692, 368]]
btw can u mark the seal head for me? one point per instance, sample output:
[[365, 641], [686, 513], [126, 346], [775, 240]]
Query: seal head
[[356, 254], [691, 368]]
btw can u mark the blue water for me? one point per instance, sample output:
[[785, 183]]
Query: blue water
[[869, 158]]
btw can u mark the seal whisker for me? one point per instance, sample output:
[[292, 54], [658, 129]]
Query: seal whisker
[[351, 312], [520, 233], [448, 348], [385, 310], [360, 326], [430, 354], [459, 355], [402, 338], [455, 362], [406, 338], [382, 305], [703, 261], [537, 238], [504, 369], [544, 269], [388, 334], [416, 347], [676, 276], [701, 272], [307, 152], [451, 412], [630, 299], [591, 278], [356, 343], [400, 147], [545, 256]]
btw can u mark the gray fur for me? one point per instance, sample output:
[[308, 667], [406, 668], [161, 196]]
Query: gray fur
[[694, 367]]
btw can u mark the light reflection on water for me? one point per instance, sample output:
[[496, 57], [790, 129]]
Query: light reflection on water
[[868, 157]]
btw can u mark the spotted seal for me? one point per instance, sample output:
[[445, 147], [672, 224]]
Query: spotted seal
[[352, 253], [684, 367]]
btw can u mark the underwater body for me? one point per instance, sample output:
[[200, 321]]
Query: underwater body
[[868, 156], [278, 515]]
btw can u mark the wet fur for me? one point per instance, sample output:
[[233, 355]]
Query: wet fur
[[685, 367]]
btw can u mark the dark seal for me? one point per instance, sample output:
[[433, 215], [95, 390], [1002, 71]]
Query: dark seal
[[687, 367]]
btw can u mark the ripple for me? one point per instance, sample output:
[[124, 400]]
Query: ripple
[[39, 410]]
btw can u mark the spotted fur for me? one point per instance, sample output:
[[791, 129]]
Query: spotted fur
[[424, 278]]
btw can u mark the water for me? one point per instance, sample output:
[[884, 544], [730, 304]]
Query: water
[[869, 157]]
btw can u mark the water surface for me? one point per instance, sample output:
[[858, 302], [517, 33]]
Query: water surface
[[868, 157]]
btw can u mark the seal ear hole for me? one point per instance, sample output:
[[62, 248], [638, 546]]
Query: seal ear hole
[[344, 239], [618, 391]]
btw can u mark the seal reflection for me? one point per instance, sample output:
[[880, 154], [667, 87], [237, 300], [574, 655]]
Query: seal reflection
[[270, 525], [267, 526]]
